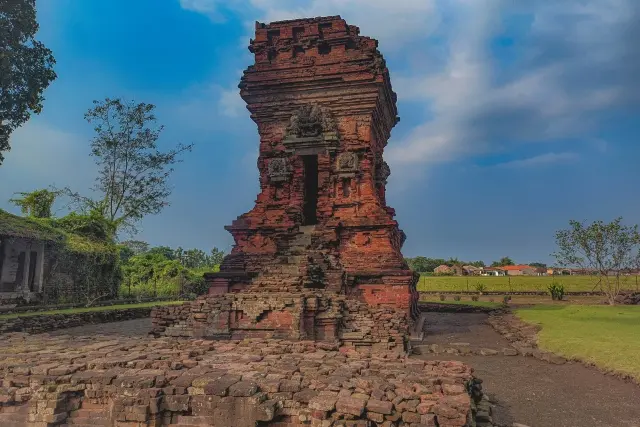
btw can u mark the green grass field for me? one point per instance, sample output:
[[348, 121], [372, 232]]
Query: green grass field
[[516, 283], [89, 309], [605, 336]]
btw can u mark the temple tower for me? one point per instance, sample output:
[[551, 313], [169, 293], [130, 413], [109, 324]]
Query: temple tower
[[321, 97]]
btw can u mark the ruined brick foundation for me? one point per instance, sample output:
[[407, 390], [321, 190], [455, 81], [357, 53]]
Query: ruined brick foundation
[[304, 316], [54, 381]]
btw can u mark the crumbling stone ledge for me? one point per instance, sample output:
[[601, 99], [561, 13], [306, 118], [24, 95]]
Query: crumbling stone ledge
[[50, 322], [523, 337], [127, 382]]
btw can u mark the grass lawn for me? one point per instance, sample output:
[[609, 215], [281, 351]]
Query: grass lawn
[[516, 283], [89, 309], [607, 336]]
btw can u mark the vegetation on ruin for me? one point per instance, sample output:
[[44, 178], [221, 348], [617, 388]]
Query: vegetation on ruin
[[36, 204], [81, 246], [26, 67], [603, 335], [89, 309], [518, 283]]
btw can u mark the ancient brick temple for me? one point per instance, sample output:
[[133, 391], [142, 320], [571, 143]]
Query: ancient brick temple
[[318, 257]]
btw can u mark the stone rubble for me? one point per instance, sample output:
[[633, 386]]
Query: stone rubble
[[523, 338], [132, 382]]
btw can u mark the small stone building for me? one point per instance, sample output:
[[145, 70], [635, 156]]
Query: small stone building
[[40, 263]]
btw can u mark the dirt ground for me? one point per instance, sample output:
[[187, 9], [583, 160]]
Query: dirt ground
[[530, 391]]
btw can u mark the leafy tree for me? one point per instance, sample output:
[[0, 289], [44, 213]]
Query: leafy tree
[[195, 258], [133, 172], [137, 247], [153, 274], [126, 253], [216, 257], [453, 261], [423, 265], [504, 261], [36, 204], [609, 249], [26, 67], [538, 265], [477, 264], [164, 251]]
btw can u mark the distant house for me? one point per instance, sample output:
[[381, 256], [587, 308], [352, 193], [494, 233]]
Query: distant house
[[443, 269], [520, 270], [555, 271], [471, 270], [540, 271], [454, 270], [493, 271]]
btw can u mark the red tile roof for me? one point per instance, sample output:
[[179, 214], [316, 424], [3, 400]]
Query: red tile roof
[[516, 267]]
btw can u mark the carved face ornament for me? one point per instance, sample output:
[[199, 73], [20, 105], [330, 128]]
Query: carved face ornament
[[310, 121]]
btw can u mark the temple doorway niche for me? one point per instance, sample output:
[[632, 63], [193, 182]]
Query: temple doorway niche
[[310, 190]]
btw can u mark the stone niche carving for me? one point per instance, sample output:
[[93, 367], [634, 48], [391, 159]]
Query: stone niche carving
[[310, 121], [382, 173], [311, 130], [278, 170], [347, 163]]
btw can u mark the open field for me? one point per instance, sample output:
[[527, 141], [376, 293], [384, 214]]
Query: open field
[[605, 336], [516, 283], [89, 309]]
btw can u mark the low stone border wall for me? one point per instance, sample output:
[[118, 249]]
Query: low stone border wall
[[523, 337], [456, 308], [12, 309], [524, 293], [35, 324]]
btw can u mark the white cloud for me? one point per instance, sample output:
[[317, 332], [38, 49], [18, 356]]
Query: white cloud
[[211, 8], [567, 73], [230, 103], [541, 160], [573, 60], [391, 22]]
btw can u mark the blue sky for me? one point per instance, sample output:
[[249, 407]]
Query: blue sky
[[515, 119]]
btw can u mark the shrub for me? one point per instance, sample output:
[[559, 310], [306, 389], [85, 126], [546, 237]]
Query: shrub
[[475, 298], [506, 299], [480, 287], [443, 297], [456, 298], [556, 290]]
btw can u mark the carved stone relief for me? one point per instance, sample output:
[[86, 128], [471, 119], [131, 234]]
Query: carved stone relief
[[311, 120], [347, 162], [382, 173], [278, 170]]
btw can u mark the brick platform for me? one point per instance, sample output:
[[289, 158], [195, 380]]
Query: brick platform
[[306, 316], [127, 382]]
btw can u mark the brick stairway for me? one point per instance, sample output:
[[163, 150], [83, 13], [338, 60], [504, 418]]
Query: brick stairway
[[299, 266]]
